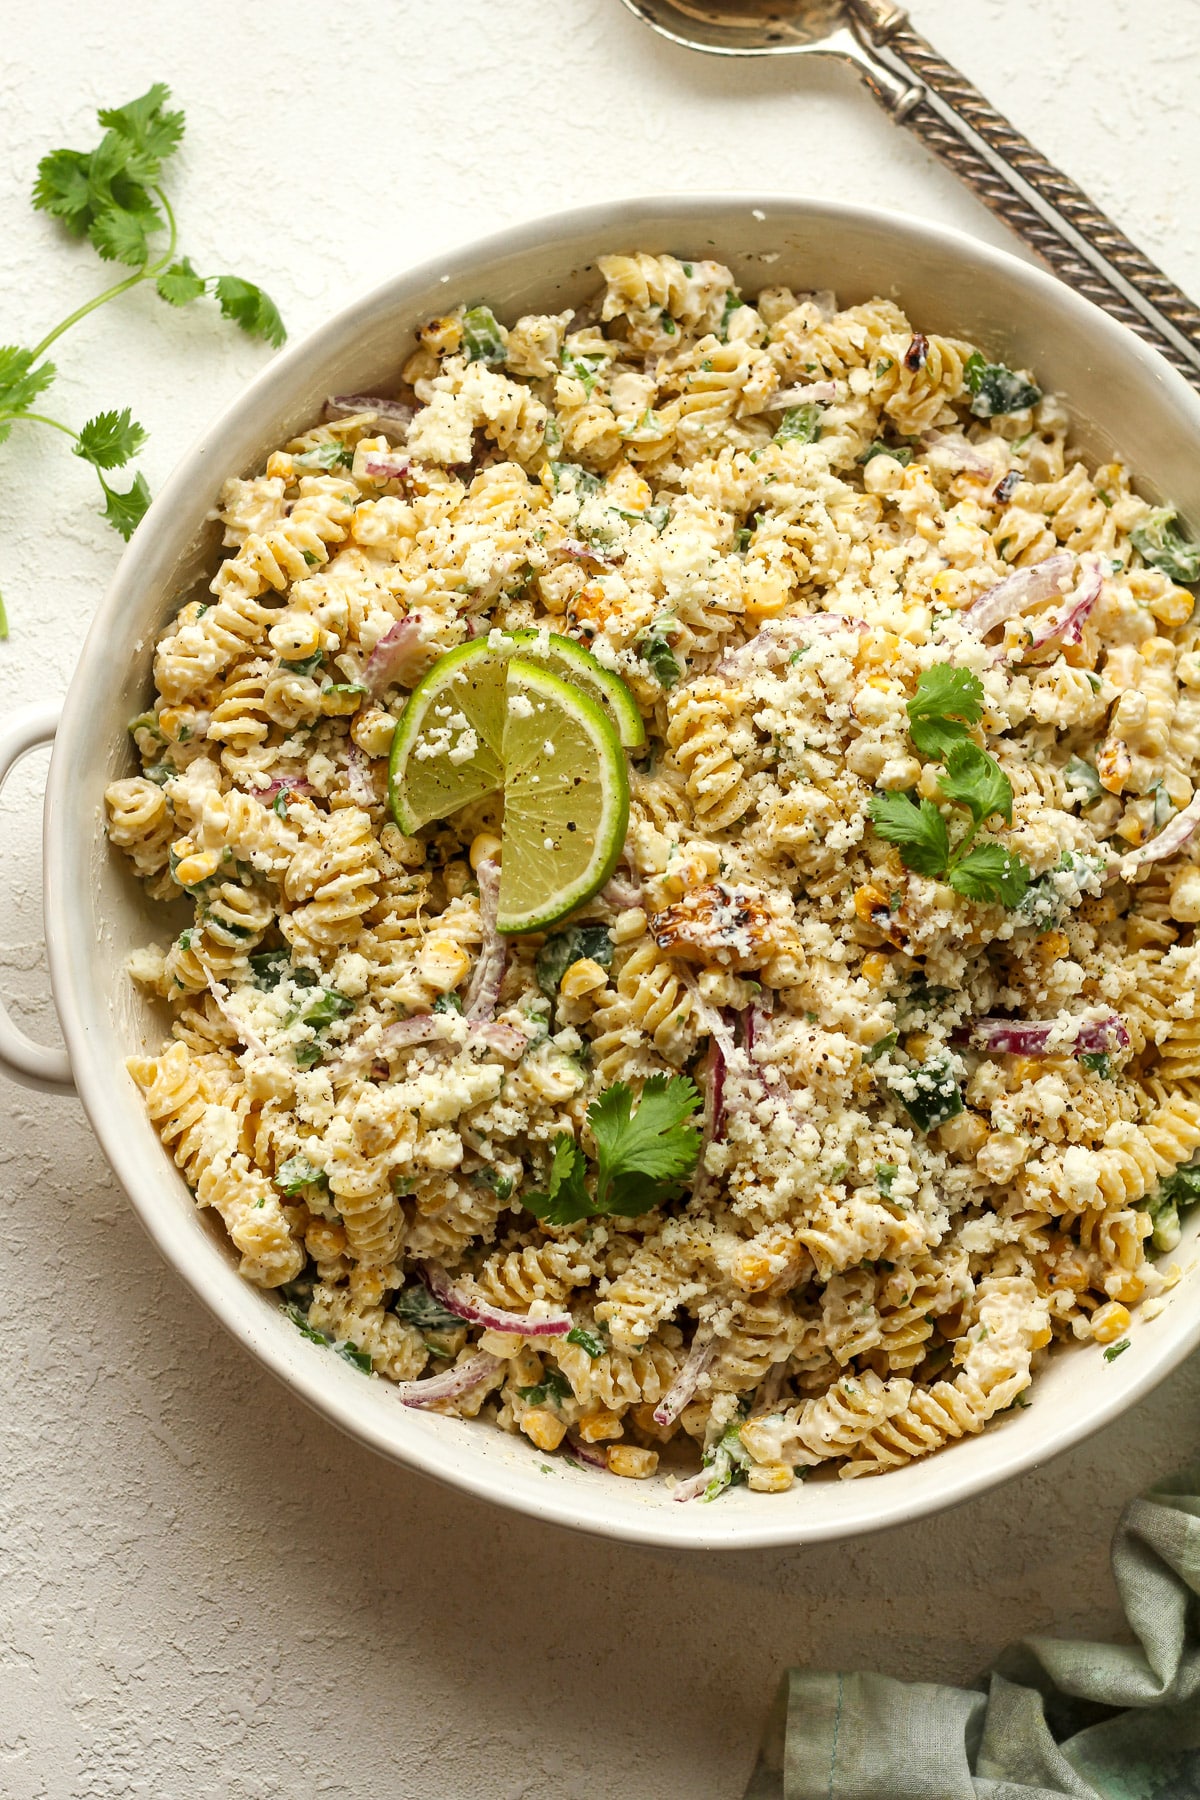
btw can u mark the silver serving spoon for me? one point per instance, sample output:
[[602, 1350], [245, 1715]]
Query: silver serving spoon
[[919, 89]]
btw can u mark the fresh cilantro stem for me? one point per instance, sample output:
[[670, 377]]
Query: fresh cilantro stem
[[147, 273]]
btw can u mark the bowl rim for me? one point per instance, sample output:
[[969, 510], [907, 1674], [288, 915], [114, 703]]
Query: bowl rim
[[92, 1068]]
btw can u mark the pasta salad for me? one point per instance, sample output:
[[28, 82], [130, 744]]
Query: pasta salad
[[868, 1064]]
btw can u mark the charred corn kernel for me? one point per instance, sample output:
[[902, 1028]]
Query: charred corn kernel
[[919, 1044], [634, 1464], [752, 1271], [443, 336], [1110, 1322], [545, 1428], [583, 977], [1173, 608], [341, 699], [1124, 1285], [701, 863], [628, 925], [442, 963], [373, 730], [1051, 947], [191, 870], [1185, 896], [875, 966], [770, 1478], [868, 901], [295, 636], [600, 1425], [1069, 1270], [281, 466], [1114, 765], [485, 847], [964, 1135], [1093, 911]]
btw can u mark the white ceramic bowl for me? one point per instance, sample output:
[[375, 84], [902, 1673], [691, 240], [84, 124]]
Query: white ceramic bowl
[[1124, 399]]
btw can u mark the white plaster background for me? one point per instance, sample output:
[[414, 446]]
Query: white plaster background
[[204, 1591]]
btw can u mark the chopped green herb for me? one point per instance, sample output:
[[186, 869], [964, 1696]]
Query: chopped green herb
[[447, 1003], [995, 389], [483, 339], [1161, 540], [885, 1176], [657, 653], [1112, 1351], [642, 1155], [300, 1321], [417, 1306], [583, 482], [800, 424], [562, 948], [1100, 1063], [587, 1341], [1081, 774], [899, 453], [585, 368], [296, 1174], [501, 1185], [328, 1006], [306, 666], [552, 1390], [733, 301], [741, 538]]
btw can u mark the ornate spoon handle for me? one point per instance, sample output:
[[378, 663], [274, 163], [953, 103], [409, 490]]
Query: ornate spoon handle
[[1045, 207]]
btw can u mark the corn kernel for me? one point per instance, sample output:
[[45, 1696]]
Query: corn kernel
[[628, 925], [1025, 1068], [190, 871], [599, 1425], [875, 966], [868, 901], [1052, 947], [1109, 1322], [295, 636], [1041, 1337], [1185, 896], [281, 466], [340, 705], [752, 1271], [770, 1478], [1114, 765], [443, 336], [174, 719], [919, 1044], [765, 595], [544, 1427], [964, 1135], [1123, 1284], [373, 730], [634, 1464], [877, 648], [583, 977], [485, 847], [442, 963], [1172, 609]]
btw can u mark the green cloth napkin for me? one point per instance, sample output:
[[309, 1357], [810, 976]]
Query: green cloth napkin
[[1053, 1718]]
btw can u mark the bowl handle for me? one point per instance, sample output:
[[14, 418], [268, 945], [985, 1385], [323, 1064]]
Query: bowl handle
[[33, 1065]]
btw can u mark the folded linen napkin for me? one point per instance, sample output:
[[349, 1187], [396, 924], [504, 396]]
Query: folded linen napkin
[[1053, 1717]]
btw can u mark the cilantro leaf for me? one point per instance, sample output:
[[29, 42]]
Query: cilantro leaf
[[996, 389], [977, 781], [916, 827], [990, 872], [180, 283], [20, 382], [249, 307], [125, 512], [565, 1200], [122, 235], [1163, 545], [151, 134], [643, 1156], [62, 189], [109, 440], [947, 700]]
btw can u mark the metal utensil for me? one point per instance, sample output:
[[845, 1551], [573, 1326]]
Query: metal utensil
[[921, 90]]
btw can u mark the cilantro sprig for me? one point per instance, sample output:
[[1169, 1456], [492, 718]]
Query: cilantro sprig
[[113, 197], [643, 1155], [947, 703]]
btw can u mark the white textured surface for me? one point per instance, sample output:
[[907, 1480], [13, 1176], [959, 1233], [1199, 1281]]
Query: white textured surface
[[204, 1591]]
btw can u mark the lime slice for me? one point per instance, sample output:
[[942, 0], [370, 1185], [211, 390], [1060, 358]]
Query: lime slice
[[566, 799], [573, 663], [448, 747]]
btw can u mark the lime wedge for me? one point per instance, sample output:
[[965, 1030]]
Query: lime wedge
[[566, 799], [448, 747], [565, 658]]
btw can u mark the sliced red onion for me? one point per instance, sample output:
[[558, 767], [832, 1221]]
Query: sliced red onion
[[579, 551], [397, 657], [774, 644], [693, 1487], [507, 1040], [358, 779], [386, 468], [1022, 588], [1173, 836], [958, 451], [716, 1098], [588, 1456], [622, 892], [478, 1312], [704, 1348], [245, 1035], [820, 393], [395, 413], [422, 1029], [1011, 1037], [289, 784], [1067, 623], [487, 977], [451, 1383]]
